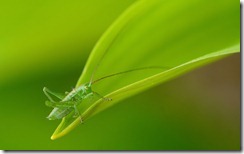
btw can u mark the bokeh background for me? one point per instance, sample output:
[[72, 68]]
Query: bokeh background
[[46, 43]]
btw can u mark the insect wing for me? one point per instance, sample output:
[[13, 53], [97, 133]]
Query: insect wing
[[59, 113]]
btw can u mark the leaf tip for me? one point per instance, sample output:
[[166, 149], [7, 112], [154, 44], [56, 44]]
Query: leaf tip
[[56, 136], [53, 137]]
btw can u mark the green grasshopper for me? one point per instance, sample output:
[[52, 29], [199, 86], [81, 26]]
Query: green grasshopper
[[71, 101]]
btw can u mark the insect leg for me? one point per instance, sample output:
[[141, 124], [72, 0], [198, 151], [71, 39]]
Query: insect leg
[[77, 112], [104, 98], [47, 92]]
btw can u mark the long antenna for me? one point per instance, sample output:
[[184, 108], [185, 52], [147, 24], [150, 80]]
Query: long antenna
[[132, 70], [95, 69]]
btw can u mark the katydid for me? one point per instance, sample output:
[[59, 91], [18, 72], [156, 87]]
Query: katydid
[[71, 101]]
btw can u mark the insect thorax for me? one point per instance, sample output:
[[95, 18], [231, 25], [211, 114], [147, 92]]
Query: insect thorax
[[79, 93]]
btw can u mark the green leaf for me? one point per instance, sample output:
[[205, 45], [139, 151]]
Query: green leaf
[[178, 35]]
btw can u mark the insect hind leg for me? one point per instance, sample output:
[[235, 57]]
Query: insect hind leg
[[47, 92]]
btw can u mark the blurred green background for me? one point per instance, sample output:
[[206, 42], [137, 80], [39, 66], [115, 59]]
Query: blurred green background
[[47, 42]]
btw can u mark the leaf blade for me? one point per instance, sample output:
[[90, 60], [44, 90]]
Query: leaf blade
[[137, 38]]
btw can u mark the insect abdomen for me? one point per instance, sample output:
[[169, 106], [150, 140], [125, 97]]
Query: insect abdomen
[[58, 113]]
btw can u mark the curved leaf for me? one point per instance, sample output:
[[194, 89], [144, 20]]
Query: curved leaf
[[179, 36]]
